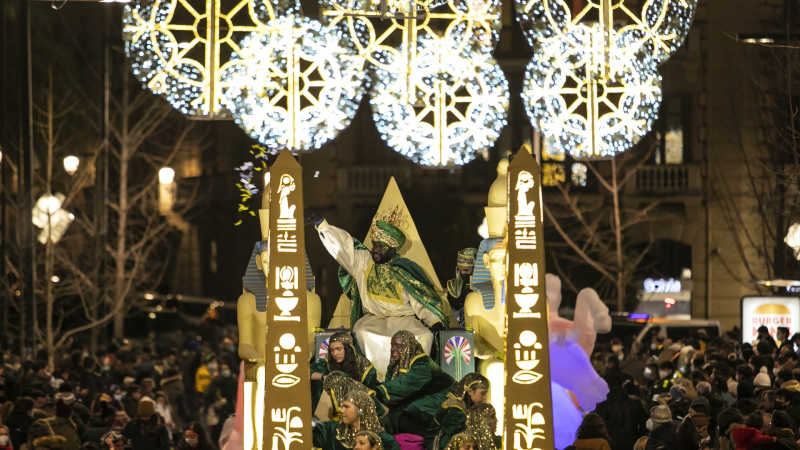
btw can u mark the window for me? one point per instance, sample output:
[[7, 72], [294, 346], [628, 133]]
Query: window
[[672, 131]]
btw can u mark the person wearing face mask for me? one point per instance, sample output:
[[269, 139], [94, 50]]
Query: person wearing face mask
[[661, 431], [635, 364], [665, 381], [195, 438], [785, 401], [5, 438], [451, 418]]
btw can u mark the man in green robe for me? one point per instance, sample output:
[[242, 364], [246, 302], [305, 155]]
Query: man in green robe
[[415, 387], [389, 293]]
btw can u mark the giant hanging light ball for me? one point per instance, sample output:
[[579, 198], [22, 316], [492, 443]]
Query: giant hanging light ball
[[593, 90]]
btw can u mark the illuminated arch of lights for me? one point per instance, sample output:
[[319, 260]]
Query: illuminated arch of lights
[[296, 86], [593, 90], [439, 97], [178, 48]]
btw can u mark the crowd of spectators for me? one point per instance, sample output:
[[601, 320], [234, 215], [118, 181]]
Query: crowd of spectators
[[181, 395], [698, 393]]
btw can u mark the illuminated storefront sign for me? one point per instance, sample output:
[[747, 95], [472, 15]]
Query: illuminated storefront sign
[[288, 421], [529, 420], [771, 312], [662, 286]]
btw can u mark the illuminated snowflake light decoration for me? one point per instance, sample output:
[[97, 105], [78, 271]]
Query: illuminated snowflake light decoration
[[296, 86], [438, 98], [177, 47], [592, 90]]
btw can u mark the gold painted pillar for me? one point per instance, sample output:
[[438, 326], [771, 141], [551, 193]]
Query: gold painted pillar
[[528, 408], [288, 391]]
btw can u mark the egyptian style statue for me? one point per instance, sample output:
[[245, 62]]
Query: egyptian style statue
[[252, 320], [484, 309]]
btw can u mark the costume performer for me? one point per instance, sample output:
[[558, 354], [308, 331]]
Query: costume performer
[[482, 424], [415, 387], [459, 287], [451, 418], [339, 385], [390, 293], [462, 441], [343, 357], [358, 414]]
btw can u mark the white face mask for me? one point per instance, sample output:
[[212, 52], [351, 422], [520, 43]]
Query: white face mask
[[191, 442], [649, 424], [647, 373], [654, 346], [663, 374], [118, 397], [776, 370], [4, 439]]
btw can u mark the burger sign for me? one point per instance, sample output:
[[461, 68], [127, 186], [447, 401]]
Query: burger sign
[[771, 312]]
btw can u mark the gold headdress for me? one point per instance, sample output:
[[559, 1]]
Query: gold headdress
[[386, 228], [409, 351], [346, 434], [470, 381], [479, 419], [373, 438], [460, 439]]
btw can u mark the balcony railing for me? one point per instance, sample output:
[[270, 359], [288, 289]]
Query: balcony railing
[[369, 180], [667, 179]]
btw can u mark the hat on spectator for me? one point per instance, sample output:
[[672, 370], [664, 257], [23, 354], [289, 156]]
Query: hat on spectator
[[703, 387], [700, 401], [677, 392], [660, 414], [147, 408], [762, 379]]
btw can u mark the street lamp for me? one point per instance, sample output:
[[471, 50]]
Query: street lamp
[[792, 239], [166, 190], [71, 164], [51, 218]]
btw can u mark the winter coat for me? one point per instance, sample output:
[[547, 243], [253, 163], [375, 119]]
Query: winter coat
[[666, 435], [174, 390], [625, 419], [66, 429], [784, 440], [18, 425], [590, 444], [747, 438]]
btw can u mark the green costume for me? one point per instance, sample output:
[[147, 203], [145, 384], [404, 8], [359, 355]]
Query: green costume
[[340, 436], [339, 385], [414, 390], [451, 418], [458, 440], [386, 281], [457, 288], [479, 420], [365, 372]]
